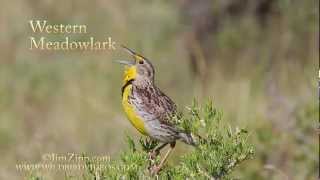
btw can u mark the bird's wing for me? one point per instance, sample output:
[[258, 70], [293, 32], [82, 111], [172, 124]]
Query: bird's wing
[[155, 103]]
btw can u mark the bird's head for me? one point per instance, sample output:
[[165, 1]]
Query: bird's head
[[138, 69]]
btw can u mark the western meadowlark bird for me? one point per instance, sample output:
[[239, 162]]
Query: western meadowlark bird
[[148, 109]]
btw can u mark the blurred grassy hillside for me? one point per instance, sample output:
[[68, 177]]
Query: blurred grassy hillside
[[258, 60]]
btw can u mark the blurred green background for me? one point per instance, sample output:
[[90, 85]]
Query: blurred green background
[[257, 59]]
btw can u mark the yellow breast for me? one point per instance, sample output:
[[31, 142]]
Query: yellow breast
[[133, 117]]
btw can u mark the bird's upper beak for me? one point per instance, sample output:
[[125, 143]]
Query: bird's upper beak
[[128, 62]]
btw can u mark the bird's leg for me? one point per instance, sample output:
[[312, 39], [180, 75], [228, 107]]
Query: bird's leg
[[154, 153], [172, 145], [156, 169]]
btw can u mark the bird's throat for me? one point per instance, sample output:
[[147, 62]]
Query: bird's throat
[[130, 74]]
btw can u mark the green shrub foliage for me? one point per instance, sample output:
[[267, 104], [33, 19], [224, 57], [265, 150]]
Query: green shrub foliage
[[220, 149]]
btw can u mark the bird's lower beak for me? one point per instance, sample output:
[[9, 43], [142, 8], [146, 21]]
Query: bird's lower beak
[[129, 63]]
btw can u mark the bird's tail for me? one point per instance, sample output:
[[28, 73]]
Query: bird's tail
[[189, 138]]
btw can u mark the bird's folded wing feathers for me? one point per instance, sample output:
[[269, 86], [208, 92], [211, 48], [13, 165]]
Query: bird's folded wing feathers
[[156, 104]]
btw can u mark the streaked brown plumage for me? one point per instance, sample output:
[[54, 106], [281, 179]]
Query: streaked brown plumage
[[147, 107]]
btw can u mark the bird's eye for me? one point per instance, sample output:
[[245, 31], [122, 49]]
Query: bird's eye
[[140, 62]]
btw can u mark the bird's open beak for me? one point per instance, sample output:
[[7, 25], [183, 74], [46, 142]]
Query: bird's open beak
[[126, 62]]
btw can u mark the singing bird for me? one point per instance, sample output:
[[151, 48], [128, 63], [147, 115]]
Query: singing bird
[[148, 109]]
